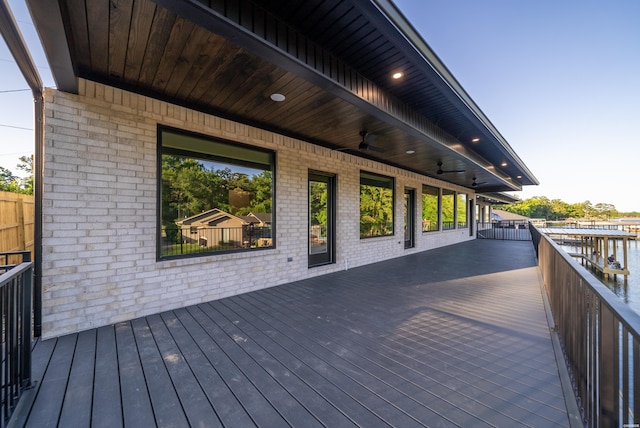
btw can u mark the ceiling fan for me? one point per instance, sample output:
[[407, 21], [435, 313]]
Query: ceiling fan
[[442, 171], [367, 139], [475, 183]]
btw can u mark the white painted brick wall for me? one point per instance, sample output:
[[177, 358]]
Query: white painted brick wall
[[99, 210]]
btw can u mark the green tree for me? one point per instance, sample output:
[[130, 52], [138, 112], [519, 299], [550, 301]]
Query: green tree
[[448, 204], [6, 177], [556, 209], [376, 211], [318, 203], [605, 211], [10, 182], [429, 211]]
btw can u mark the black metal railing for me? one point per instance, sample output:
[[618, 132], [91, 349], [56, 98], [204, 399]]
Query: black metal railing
[[195, 240], [448, 225], [429, 226], [504, 230], [10, 259], [16, 283], [566, 225], [600, 336]]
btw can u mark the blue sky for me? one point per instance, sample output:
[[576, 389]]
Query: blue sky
[[559, 79]]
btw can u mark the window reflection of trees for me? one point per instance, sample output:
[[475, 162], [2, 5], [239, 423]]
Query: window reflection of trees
[[376, 205]]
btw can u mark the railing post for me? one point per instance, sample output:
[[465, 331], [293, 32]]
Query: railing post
[[27, 292], [608, 354]]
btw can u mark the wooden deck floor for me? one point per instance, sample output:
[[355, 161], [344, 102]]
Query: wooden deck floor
[[451, 337]]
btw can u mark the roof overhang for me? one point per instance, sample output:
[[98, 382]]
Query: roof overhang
[[496, 198], [332, 60]]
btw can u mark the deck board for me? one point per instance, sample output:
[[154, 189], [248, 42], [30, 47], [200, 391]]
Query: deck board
[[249, 398], [166, 405], [76, 409], [197, 408], [365, 387], [48, 402], [228, 410], [289, 371], [136, 403], [107, 405], [456, 336], [282, 401]]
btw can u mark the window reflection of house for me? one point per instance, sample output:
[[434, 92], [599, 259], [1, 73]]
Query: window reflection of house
[[217, 228], [506, 219], [262, 225]]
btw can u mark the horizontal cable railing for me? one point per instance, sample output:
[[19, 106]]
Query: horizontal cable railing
[[192, 240], [15, 315], [600, 336], [504, 230]]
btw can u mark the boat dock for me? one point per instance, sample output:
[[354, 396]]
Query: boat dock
[[595, 247]]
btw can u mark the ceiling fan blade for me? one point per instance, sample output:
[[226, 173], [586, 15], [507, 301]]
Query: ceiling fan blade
[[375, 149], [447, 171], [475, 183], [367, 139], [441, 171]]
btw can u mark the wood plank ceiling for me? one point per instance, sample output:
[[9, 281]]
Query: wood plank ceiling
[[330, 59]]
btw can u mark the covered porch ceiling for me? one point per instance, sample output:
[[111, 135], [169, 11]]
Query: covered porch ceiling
[[331, 59]]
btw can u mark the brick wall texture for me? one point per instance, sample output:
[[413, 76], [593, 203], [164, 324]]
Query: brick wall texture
[[100, 204]]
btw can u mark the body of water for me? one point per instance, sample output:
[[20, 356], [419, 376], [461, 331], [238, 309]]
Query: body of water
[[628, 292]]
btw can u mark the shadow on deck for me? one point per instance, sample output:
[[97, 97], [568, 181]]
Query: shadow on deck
[[456, 336]]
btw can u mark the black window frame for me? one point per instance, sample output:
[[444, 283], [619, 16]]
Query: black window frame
[[373, 177], [272, 162], [438, 196]]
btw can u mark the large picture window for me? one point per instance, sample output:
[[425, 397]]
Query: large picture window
[[448, 209], [376, 205], [430, 208], [214, 195]]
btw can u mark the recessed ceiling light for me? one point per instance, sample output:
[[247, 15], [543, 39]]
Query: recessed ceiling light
[[410, 152], [397, 75], [503, 164], [519, 176], [277, 97], [475, 140]]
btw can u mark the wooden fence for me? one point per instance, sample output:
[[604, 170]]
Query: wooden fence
[[16, 222]]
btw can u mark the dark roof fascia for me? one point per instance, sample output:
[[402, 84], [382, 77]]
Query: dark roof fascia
[[18, 48], [498, 197], [47, 18], [449, 86]]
